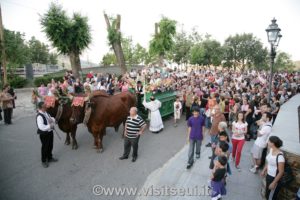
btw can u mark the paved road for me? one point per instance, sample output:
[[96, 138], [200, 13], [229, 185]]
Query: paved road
[[73, 177]]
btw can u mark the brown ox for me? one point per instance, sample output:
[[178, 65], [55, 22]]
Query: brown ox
[[107, 111], [62, 113]]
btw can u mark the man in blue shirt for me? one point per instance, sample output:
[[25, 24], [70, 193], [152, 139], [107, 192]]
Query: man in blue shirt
[[195, 129]]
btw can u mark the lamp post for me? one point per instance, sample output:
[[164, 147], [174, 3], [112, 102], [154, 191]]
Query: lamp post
[[274, 36]]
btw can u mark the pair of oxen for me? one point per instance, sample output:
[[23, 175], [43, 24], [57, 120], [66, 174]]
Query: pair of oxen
[[104, 111]]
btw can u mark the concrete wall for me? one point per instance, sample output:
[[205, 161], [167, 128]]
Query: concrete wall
[[286, 127]]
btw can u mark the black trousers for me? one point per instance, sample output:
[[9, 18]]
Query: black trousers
[[128, 142], [7, 112], [47, 146], [272, 194], [188, 113]]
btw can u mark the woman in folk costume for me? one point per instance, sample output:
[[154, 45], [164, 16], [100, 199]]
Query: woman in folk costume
[[156, 124]]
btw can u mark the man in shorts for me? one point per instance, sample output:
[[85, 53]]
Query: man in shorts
[[261, 141]]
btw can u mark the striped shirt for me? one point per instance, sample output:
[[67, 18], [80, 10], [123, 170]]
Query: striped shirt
[[134, 125]]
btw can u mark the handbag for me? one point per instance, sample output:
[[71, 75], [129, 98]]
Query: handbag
[[287, 176]]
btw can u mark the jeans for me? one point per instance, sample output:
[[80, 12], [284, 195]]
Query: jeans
[[192, 145], [207, 122]]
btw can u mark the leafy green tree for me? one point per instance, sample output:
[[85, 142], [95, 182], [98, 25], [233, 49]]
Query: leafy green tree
[[109, 59], [197, 55], [128, 50], [53, 58], [39, 52], [182, 46], [162, 41], [283, 62], [213, 52], [207, 52], [133, 53], [151, 58], [140, 54], [69, 35], [243, 51], [195, 37], [16, 50]]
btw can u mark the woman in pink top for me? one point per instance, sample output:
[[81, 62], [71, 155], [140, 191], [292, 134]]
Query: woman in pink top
[[245, 105], [125, 87], [42, 90], [239, 129]]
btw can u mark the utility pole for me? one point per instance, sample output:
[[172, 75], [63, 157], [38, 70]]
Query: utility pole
[[2, 46]]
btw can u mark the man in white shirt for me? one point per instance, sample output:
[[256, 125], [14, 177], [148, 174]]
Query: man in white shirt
[[45, 125], [262, 140]]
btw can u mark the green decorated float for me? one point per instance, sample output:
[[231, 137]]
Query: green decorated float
[[161, 91]]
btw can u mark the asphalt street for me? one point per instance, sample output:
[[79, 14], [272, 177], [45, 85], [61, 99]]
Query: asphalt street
[[76, 173]]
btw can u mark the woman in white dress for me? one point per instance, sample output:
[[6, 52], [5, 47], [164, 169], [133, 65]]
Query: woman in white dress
[[177, 110], [156, 124]]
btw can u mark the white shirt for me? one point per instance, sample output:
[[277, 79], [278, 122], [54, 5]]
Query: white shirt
[[239, 130], [265, 132], [177, 104], [272, 165], [40, 122]]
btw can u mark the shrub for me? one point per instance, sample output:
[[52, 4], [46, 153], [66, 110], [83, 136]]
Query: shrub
[[46, 79], [17, 81]]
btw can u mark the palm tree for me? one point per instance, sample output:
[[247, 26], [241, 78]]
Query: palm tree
[[69, 35]]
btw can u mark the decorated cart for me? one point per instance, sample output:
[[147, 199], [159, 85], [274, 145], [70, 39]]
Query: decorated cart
[[162, 91]]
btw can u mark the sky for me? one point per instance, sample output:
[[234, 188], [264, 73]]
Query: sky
[[219, 18]]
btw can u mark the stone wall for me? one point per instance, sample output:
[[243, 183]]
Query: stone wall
[[289, 192]]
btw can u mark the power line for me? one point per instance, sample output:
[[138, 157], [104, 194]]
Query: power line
[[18, 4]]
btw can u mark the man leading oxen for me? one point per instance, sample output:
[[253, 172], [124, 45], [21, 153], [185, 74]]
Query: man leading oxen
[[60, 109], [99, 110]]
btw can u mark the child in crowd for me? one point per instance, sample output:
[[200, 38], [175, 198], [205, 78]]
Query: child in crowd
[[217, 178], [223, 137]]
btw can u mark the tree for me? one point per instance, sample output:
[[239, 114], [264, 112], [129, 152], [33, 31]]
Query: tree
[[69, 35], [243, 51], [109, 59], [162, 41], [39, 52], [115, 39], [283, 62], [140, 54], [207, 52], [182, 46], [197, 55], [128, 50], [52, 58], [195, 37], [133, 53], [16, 50], [213, 51]]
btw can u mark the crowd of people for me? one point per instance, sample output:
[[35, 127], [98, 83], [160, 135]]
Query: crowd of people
[[231, 107]]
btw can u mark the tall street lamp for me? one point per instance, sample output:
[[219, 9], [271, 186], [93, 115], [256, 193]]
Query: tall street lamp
[[274, 36]]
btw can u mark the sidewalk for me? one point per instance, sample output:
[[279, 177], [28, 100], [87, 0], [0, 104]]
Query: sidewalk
[[240, 185]]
